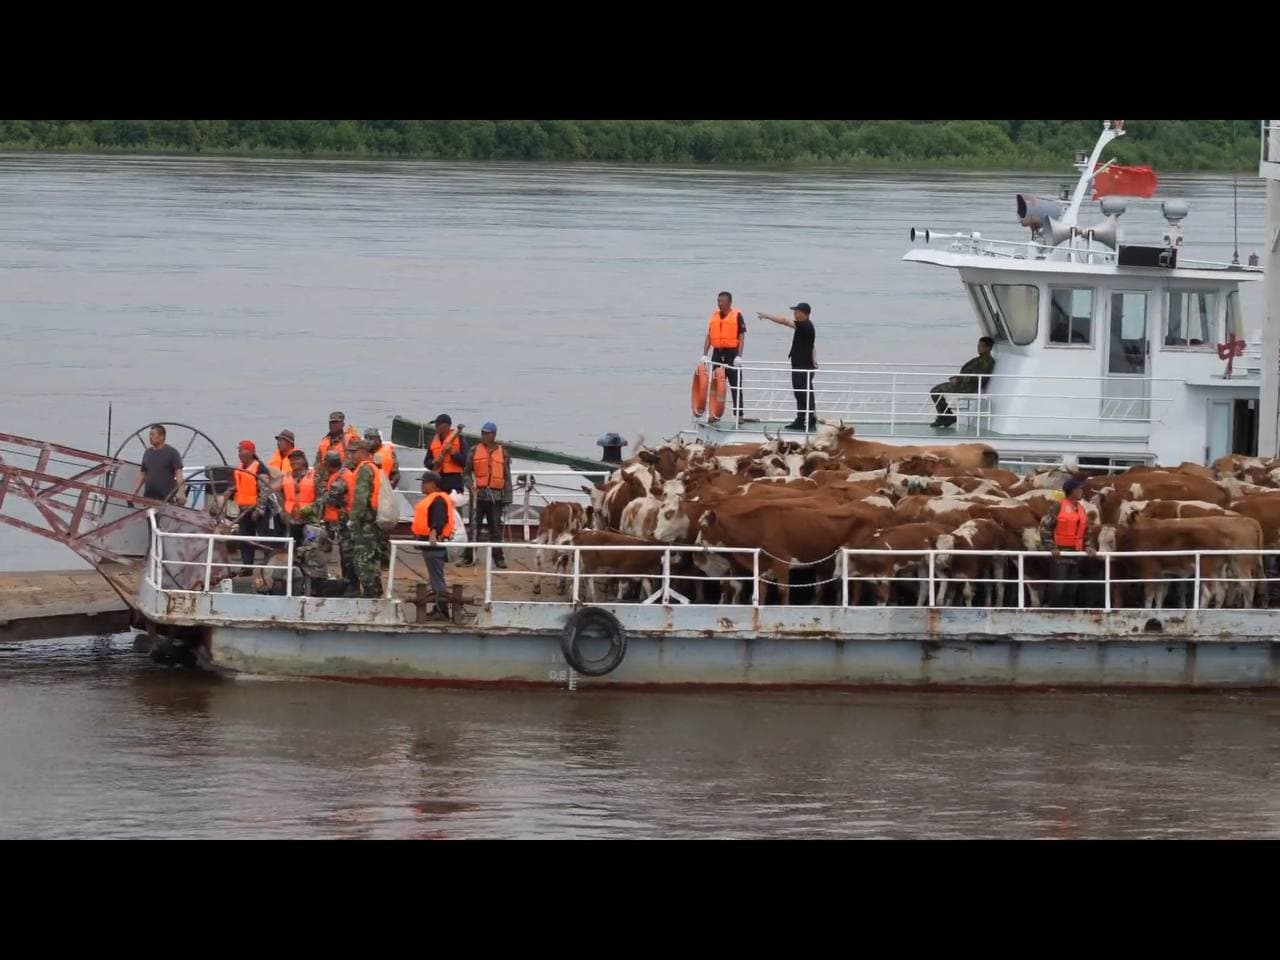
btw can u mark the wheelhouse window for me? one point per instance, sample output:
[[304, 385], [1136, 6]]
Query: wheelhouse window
[[1191, 319], [1071, 316], [985, 307], [1019, 305]]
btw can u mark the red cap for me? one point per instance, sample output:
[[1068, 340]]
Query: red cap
[[248, 444]]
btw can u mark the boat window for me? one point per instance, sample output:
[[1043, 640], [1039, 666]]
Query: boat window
[[1128, 351], [1235, 316], [1020, 308], [1191, 319], [1070, 316], [986, 309]]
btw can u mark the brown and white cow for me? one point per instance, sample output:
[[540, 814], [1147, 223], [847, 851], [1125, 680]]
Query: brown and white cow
[[883, 570], [557, 524], [1200, 533], [979, 534], [622, 567]]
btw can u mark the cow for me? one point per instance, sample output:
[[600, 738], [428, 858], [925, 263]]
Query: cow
[[808, 532], [1169, 510], [841, 440], [623, 566], [557, 524], [1200, 533], [883, 569], [980, 534], [1155, 487]]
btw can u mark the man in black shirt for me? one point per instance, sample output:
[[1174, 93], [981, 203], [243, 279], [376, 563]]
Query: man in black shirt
[[161, 469], [804, 360]]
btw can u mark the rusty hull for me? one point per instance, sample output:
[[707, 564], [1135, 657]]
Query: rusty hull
[[519, 643]]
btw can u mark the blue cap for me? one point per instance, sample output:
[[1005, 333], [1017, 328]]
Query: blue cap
[[611, 440], [489, 427]]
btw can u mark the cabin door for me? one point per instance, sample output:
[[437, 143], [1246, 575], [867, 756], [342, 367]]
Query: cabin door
[[1126, 388]]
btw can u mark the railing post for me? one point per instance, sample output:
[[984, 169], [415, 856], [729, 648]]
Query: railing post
[[1022, 599], [1195, 600], [1106, 575], [893, 402], [488, 579], [931, 585], [979, 410], [528, 489], [288, 576], [666, 575], [710, 373], [391, 570], [208, 566], [577, 554], [755, 577], [844, 577]]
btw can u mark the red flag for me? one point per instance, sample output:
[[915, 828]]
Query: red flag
[[1118, 181]]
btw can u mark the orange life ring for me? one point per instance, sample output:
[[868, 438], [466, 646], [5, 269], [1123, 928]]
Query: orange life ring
[[717, 393], [698, 397]]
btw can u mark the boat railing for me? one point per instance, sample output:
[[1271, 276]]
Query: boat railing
[[532, 490], [1077, 251], [173, 558], [1026, 578], [898, 398]]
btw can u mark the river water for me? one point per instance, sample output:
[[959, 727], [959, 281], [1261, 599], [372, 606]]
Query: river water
[[244, 296]]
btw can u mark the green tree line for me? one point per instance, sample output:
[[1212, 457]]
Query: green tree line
[[990, 144]]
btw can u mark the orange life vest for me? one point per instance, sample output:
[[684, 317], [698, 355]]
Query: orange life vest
[[298, 493], [490, 472], [280, 461], [421, 527], [723, 331], [376, 484], [448, 466], [1069, 530], [385, 459], [348, 435], [331, 513], [247, 484]]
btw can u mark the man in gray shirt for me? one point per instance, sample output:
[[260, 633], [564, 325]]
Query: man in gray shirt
[[161, 467]]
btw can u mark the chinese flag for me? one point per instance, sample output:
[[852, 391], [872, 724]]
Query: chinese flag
[[1118, 181]]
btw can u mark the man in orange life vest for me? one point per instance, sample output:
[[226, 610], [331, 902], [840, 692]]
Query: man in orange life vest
[[384, 455], [434, 519], [298, 486], [334, 496], [448, 463], [726, 338], [279, 462], [248, 498], [488, 478], [338, 438], [1063, 528]]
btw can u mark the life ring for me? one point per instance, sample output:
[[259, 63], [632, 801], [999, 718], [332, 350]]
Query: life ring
[[718, 390], [592, 623], [698, 396]]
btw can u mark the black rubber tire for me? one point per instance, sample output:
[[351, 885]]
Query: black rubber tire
[[603, 620]]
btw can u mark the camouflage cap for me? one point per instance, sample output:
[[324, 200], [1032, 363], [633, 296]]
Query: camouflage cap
[[355, 445], [371, 433], [337, 415], [333, 455]]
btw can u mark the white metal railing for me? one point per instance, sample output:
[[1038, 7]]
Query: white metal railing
[[897, 397], [1079, 250], [526, 485], [661, 572], [932, 581], [158, 564], [932, 572]]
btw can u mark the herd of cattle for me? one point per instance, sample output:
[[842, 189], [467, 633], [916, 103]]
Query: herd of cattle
[[800, 504]]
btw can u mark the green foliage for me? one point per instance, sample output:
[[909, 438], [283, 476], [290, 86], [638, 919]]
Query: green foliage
[[1048, 144]]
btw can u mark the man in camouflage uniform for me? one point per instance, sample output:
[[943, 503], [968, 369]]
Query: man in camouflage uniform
[[369, 542], [335, 495], [311, 553], [972, 378]]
